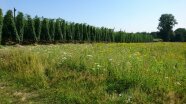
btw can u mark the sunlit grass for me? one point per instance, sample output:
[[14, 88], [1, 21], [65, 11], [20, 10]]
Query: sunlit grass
[[98, 73]]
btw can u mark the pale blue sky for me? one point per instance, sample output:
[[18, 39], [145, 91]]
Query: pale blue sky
[[128, 15]]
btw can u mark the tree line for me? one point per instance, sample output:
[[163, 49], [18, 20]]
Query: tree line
[[23, 29], [179, 35], [165, 27]]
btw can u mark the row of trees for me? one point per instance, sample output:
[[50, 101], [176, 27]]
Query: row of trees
[[25, 30], [179, 35], [122, 36]]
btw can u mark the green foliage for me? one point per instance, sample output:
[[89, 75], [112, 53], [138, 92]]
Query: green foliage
[[84, 32], [68, 32], [77, 32], [63, 29], [45, 35], [37, 26], [29, 31], [1, 23], [9, 32], [166, 24], [59, 30], [180, 34], [132, 37], [52, 29], [20, 25], [58, 33]]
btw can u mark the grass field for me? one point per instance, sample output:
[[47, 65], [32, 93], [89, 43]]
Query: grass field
[[151, 73]]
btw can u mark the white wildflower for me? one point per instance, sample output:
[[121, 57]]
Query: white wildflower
[[178, 83], [129, 64], [110, 59], [137, 54], [129, 99], [64, 53], [98, 66], [94, 69], [64, 58], [89, 56]]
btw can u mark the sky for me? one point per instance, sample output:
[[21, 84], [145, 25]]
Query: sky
[[126, 15]]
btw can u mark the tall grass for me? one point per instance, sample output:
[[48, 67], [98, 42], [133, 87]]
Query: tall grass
[[99, 73]]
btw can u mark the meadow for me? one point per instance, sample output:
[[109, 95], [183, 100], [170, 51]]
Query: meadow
[[98, 73]]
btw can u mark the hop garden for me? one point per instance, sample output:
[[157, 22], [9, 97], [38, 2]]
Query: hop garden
[[54, 61]]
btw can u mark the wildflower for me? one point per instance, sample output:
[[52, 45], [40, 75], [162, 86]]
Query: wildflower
[[129, 64], [64, 58], [93, 69], [178, 83], [98, 66], [110, 59], [89, 56], [130, 56], [64, 53], [129, 99], [137, 54]]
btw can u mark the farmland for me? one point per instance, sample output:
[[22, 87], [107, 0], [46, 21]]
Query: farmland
[[94, 73]]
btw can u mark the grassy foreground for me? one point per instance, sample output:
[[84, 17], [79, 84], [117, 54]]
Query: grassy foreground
[[94, 73]]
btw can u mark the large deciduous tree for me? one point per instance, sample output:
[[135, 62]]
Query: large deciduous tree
[[166, 24], [9, 32]]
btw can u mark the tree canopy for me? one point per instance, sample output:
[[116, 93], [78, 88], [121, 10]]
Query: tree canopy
[[180, 34], [166, 24]]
